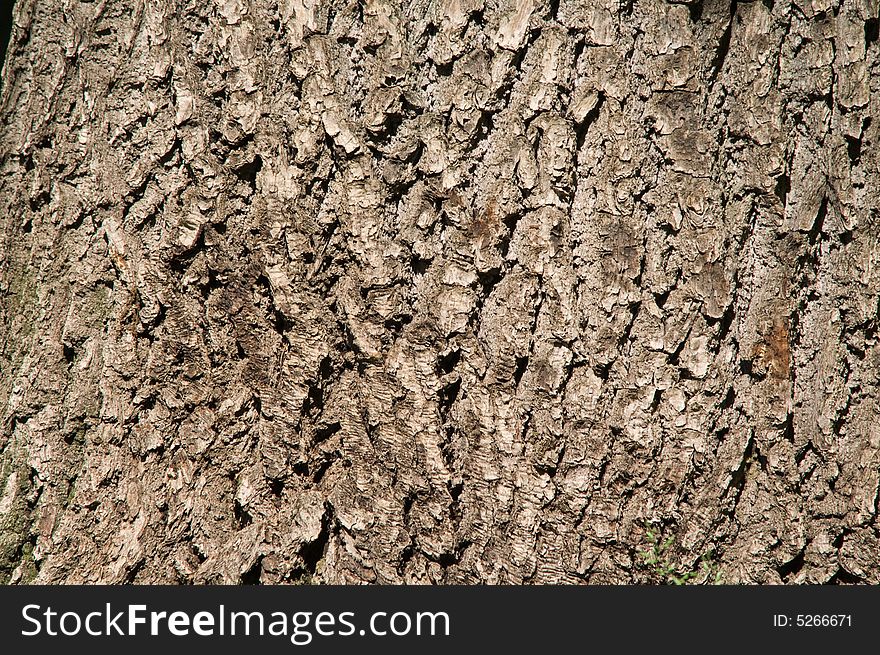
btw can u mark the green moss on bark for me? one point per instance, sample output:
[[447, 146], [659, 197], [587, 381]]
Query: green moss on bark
[[15, 520]]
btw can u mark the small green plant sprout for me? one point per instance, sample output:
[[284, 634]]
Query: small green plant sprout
[[709, 571], [656, 559]]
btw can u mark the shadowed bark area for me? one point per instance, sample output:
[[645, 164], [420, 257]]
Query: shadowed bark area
[[579, 291]]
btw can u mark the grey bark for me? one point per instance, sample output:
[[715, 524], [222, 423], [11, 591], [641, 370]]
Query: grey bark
[[503, 292]]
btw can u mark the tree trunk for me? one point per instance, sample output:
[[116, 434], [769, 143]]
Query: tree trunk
[[440, 292]]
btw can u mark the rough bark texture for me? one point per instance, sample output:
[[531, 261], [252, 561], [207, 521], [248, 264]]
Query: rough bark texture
[[451, 291]]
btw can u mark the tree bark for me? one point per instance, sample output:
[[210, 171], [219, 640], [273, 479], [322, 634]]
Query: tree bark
[[440, 292]]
